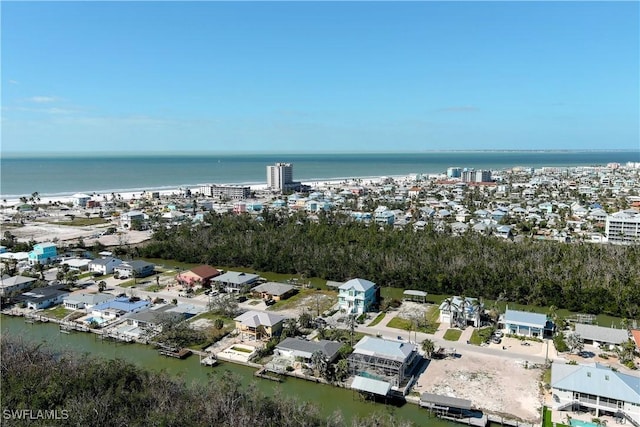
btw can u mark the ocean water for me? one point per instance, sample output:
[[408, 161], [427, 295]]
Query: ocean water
[[22, 175]]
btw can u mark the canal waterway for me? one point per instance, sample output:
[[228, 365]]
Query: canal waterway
[[328, 398]]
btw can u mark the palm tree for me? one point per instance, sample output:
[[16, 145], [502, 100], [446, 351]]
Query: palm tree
[[342, 369], [450, 306], [102, 285], [428, 346]]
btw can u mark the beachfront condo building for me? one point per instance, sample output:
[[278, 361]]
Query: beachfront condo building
[[623, 228], [280, 177], [233, 192]]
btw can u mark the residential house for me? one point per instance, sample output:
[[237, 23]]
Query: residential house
[[41, 298], [235, 281], [301, 349], [601, 336], [130, 219], [201, 274], [80, 199], [135, 268], [43, 253], [358, 296], [104, 265], [527, 324], [460, 312], [86, 301], [381, 365], [151, 318], [10, 284], [596, 388], [119, 307], [258, 324], [273, 290]]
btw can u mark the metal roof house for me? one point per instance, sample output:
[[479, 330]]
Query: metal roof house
[[527, 324], [357, 296], [596, 387], [235, 281], [86, 301], [9, 284], [298, 347], [274, 290], [387, 361], [40, 298], [600, 335], [258, 324]]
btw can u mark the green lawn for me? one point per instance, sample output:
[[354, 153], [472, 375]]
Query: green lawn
[[480, 335], [452, 334], [378, 319], [400, 323], [128, 283], [79, 222], [546, 419], [154, 288], [58, 312], [241, 349]]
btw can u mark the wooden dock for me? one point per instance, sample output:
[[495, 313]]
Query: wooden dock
[[262, 373], [179, 354], [209, 361]]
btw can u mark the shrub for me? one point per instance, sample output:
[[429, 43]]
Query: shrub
[[289, 368], [629, 364], [561, 346]]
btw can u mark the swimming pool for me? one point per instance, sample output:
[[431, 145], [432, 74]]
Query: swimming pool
[[98, 320], [580, 423]]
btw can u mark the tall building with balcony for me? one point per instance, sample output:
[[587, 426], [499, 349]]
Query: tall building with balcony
[[623, 228], [357, 296], [280, 177]]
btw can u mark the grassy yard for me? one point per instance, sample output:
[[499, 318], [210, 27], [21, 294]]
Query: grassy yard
[[154, 288], [546, 419], [408, 325], [378, 319], [397, 293], [241, 349], [80, 222], [452, 334], [58, 312], [308, 297], [480, 335]]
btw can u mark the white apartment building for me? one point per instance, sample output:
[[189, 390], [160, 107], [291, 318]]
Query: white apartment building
[[623, 227], [234, 192], [280, 176]]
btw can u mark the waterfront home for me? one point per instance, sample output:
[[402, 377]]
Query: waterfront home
[[596, 388], [41, 298], [43, 253], [78, 264], [273, 291], [358, 296], [258, 324], [526, 324], [300, 349], [104, 265], [381, 365], [458, 311], [201, 274], [235, 281], [119, 307], [135, 268], [10, 284], [150, 318], [601, 336], [86, 301]]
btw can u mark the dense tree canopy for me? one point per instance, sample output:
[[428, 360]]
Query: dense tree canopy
[[580, 277], [96, 392]]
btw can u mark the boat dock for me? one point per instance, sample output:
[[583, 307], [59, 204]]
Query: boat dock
[[178, 354], [208, 361], [262, 373]]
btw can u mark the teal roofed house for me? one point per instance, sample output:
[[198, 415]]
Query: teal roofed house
[[596, 388], [527, 324], [357, 296], [43, 253]]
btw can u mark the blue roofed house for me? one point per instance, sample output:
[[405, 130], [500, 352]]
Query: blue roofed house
[[43, 253], [596, 388], [358, 296], [119, 307], [381, 366], [527, 324]]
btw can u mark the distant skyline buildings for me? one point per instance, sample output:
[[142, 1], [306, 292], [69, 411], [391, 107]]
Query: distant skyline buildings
[[332, 77], [280, 177]]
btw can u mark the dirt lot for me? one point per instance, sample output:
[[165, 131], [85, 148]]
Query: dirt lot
[[44, 232], [496, 384]]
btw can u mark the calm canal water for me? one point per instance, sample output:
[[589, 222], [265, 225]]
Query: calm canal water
[[328, 398]]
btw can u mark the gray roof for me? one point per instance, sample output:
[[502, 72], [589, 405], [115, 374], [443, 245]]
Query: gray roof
[[257, 318], [525, 318], [152, 315], [273, 288], [42, 294], [360, 285], [602, 334], [15, 280], [103, 261], [370, 385], [135, 265], [440, 400], [236, 277], [91, 299], [596, 379], [329, 348], [394, 350]]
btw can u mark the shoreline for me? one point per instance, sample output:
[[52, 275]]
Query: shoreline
[[168, 191]]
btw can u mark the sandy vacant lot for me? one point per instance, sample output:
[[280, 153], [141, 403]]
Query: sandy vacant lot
[[44, 232], [495, 384]]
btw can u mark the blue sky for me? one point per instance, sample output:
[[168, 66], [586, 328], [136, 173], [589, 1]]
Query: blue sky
[[322, 76]]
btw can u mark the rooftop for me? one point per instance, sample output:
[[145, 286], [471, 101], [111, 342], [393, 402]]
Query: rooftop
[[395, 350]]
